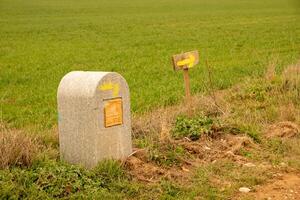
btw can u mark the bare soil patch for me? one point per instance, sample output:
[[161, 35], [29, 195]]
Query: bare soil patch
[[204, 150], [286, 186], [283, 129]]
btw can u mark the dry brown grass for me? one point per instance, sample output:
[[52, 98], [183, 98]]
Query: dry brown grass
[[291, 76], [288, 112], [160, 121], [291, 93], [271, 72], [16, 148]]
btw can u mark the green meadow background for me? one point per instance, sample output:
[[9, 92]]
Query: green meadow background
[[42, 40]]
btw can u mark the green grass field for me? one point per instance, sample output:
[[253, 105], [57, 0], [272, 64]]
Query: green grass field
[[42, 40]]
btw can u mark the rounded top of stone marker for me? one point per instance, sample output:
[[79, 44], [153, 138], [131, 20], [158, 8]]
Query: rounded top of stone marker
[[84, 83]]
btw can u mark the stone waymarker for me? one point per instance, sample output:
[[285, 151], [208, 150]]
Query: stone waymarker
[[94, 117]]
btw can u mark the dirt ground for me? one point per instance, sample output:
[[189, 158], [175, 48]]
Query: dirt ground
[[284, 183], [204, 151], [285, 186]]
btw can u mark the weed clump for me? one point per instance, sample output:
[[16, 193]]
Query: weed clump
[[167, 155], [49, 179], [110, 171], [192, 128]]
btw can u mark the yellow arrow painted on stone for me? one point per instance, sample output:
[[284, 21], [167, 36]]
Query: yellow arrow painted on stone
[[110, 86], [187, 62]]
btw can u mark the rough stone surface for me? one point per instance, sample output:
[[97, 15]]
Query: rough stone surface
[[83, 137]]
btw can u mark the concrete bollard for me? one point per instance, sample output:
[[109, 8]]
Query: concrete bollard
[[94, 117]]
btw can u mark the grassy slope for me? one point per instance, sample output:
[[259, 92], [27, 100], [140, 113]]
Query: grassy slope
[[249, 108], [40, 41]]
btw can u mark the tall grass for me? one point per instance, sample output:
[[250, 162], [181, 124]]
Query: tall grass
[[17, 148]]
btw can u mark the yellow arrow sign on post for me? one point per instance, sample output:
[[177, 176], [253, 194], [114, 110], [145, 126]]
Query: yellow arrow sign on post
[[183, 62], [189, 62]]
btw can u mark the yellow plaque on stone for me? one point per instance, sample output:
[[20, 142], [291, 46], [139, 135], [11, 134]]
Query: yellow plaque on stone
[[113, 112]]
